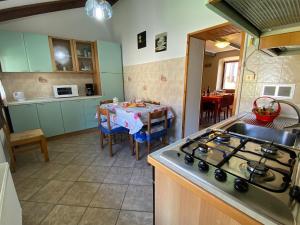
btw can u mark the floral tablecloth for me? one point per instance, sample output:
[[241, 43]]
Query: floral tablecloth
[[133, 118]]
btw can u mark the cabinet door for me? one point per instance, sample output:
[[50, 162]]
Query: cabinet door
[[110, 57], [50, 118], [73, 115], [24, 117], [12, 52], [112, 85], [38, 52], [90, 112]]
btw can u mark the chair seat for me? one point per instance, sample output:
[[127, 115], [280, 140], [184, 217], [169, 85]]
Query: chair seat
[[27, 136], [115, 128], [156, 133]]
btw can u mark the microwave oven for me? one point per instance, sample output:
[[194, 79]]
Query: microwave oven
[[65, 91]]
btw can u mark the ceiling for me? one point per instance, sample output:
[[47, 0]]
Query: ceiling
[[14, 9], [234, 39]]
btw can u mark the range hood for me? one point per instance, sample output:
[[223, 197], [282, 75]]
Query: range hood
[[275, 22], [259, 17]]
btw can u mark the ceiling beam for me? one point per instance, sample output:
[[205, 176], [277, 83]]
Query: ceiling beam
[[41, 8]]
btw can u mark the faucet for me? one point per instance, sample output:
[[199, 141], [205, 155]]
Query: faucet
[[295, 107]]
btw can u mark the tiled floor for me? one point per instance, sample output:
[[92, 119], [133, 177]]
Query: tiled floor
[[83, 185]]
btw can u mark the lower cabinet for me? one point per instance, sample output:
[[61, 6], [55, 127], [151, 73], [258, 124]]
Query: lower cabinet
[[90, 112], [55, 118], [73, 115], [24, 117], [50, 118]]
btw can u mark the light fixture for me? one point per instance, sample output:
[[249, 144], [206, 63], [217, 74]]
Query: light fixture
[[98, 9], [222, 44]]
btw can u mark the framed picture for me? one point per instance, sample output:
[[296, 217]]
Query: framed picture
[[161, 42], [141, 40]]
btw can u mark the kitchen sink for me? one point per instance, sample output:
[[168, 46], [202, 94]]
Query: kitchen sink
[[264, 133]]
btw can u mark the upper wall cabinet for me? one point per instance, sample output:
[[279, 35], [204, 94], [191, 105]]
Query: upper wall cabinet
[[84, 56], [12, 52], [110, 57], [62, 55], [38, 52]]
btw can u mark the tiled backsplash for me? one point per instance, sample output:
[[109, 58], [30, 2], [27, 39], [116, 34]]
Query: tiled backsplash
[[161, 81], [269, 70], [36, 85]]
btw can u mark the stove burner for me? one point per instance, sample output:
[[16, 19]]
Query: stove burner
[[257, 168], [222, 137], [203, 148], [269, 149]]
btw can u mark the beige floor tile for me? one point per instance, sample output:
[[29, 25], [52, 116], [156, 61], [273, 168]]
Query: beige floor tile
[[118, 175], [135, 218], [26, 171], [33, 212], [104, 160], [139, 198], [109, 196], [96, 216], [28, 187], [64, 157], [84, 159], [70, 173], [52, 192], [80, 194], [64, 215], [127, 161], [48, 171], [141, 176], [94, 174], [142, 163]]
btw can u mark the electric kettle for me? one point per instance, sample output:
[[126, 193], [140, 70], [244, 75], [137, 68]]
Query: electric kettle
[[19, 95]]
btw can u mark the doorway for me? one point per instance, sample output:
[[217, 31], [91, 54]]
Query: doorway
[[214, 95]]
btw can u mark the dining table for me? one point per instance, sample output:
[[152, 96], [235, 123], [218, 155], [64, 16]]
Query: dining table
[[134, 118], [218, 101]]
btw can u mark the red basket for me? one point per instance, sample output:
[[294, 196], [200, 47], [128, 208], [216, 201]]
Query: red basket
[[266, 118]]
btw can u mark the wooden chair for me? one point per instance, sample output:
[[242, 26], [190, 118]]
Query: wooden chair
[[107, 128], [28, 137], [106, 101], [153, 132]]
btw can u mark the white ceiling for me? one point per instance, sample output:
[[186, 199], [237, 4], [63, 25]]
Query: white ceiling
[[13, 3]]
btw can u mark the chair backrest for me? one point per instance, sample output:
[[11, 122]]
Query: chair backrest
[[106, 101], [226, 101], [103, 112], [161, 115], [152, 102]]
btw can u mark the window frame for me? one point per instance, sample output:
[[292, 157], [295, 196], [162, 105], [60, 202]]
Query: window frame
[[223, 74]]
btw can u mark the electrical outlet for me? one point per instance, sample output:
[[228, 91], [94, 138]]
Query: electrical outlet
[[250, 77]]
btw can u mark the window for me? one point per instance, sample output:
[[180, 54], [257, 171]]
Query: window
[[281, 91], [230, 74]]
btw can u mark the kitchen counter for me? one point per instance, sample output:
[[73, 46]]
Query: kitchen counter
[[50, 99], [198, 184]]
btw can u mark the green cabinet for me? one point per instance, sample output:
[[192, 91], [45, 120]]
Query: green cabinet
[[13, 56], [112, 86], [24, 117], [110, 57], [90, 112], [73, 115], [50, 118], [38, 52]]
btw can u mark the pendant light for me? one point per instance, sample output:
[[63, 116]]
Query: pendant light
[[98, 9]]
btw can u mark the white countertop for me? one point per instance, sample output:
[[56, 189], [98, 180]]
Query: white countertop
[[50, 99]]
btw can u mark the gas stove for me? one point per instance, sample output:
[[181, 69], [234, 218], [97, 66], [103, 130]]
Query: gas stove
[[259, 174]]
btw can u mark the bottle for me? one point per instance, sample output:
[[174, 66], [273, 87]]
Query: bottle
[[208, 91]]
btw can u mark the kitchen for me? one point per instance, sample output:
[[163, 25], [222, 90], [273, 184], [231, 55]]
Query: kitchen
[[194, 181]]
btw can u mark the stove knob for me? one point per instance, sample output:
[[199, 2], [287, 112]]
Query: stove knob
[[241, 185], [203, 166], [220, 175], [295, 193], [188, 159]]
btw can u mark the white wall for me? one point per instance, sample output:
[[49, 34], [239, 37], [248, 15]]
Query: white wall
[[194, 79], [73, 23], [176, 17]]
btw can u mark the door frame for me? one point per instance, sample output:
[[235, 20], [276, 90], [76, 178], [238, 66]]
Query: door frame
[[204, 34]]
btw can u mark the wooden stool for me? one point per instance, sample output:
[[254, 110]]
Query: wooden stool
[[24, 138]]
